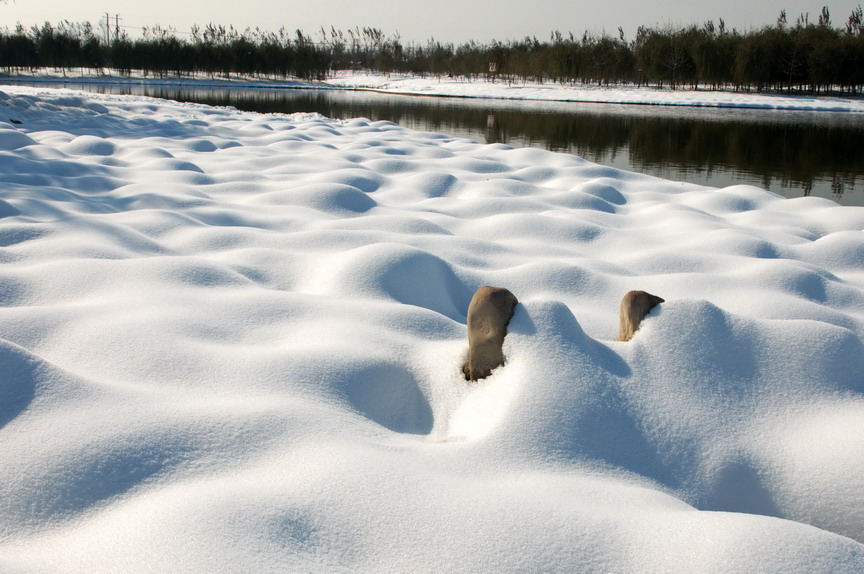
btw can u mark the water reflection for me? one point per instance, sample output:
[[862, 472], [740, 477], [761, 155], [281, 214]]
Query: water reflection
[[790, 153]]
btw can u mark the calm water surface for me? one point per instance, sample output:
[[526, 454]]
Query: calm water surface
[[790, 153]]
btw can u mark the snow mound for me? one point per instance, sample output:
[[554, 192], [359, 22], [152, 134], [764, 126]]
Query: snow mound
[[232, 342]]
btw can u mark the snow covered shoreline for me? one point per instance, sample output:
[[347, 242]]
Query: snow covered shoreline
[[459, 87], [410, 85], [231, 342]]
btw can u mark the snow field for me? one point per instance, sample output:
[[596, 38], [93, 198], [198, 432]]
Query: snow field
[[232, 341]]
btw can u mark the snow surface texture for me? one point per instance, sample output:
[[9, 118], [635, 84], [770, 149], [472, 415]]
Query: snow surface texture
[[232, 342]]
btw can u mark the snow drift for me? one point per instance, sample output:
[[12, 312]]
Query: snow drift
[[232, 342]]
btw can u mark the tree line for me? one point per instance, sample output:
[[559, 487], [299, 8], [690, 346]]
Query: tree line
[[803, 56], [214, 50]]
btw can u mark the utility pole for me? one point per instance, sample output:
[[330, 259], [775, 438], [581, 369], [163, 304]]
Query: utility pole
[[108, 28]]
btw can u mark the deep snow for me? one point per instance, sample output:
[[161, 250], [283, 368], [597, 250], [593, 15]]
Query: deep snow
[[231, 342]]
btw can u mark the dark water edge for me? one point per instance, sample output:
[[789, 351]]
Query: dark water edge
[[791, 153]]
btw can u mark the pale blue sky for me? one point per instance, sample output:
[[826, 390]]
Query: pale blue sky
[[445, 20]]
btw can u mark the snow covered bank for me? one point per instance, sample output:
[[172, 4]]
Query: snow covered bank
[[232, 342], [551, 91], [460, 87], [115, 77]]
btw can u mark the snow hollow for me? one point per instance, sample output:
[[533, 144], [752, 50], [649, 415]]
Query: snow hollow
[[232, 342]]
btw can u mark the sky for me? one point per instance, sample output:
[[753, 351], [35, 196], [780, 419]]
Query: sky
[[418, 21]]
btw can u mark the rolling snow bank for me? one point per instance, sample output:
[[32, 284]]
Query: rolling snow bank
[[409, 84], [232, 342]]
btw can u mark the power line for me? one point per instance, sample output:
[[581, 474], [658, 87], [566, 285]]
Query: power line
[[150, 28], [119, 26]]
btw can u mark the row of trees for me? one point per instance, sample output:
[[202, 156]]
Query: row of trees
[[210, 50], [804, 56], [801, 56]]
